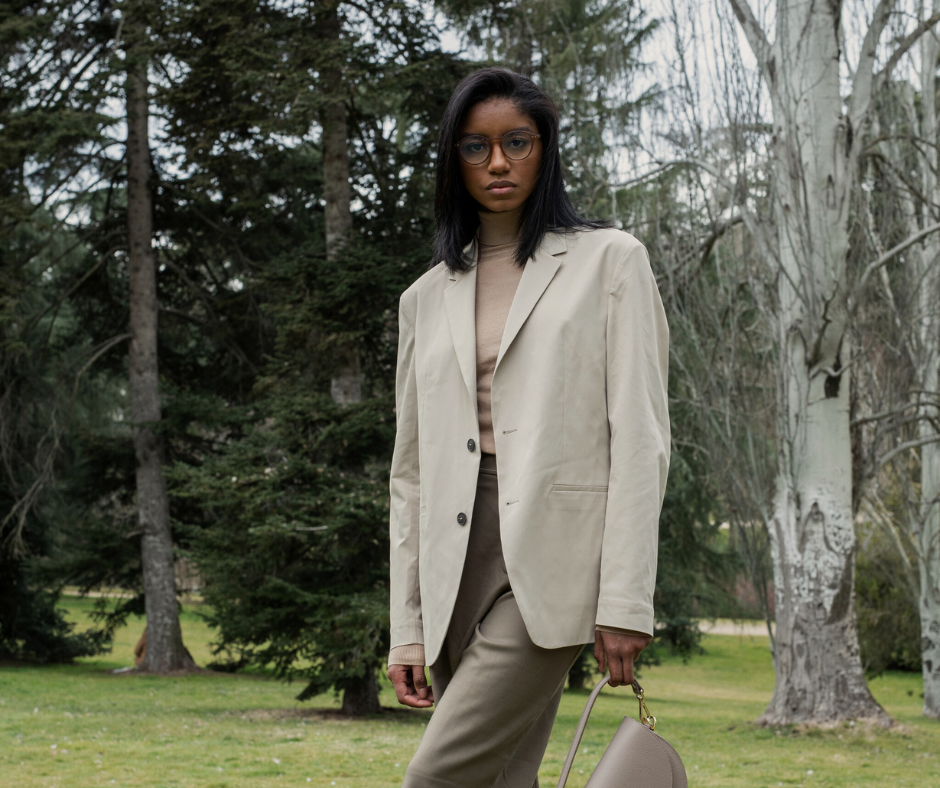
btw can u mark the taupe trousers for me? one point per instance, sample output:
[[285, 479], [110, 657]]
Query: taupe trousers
[[496, 692]]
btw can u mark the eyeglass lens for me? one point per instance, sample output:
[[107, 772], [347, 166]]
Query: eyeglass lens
[[476, 149]]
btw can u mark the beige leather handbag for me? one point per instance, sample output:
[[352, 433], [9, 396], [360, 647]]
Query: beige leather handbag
[[635, 756]]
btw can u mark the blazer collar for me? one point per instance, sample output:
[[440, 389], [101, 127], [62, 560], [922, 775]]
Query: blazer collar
[[460, 302]]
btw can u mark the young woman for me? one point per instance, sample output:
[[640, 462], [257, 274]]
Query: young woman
[[532, 446]]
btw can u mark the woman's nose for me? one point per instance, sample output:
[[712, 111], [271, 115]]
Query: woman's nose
[[498, 161]]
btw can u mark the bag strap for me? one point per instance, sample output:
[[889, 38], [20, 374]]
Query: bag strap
[[645, 717]]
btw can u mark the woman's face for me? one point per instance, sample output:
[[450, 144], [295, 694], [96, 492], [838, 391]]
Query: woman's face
[[500, 183]]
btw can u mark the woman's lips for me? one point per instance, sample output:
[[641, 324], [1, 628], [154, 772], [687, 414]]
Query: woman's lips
[[501, 187]]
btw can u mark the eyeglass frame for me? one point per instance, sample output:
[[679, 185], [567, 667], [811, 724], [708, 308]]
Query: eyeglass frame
[[490, 139]]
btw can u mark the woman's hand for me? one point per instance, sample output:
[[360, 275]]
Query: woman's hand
[[411, 687], [617, 652]]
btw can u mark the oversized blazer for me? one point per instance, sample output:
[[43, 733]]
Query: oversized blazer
[[581, 424]]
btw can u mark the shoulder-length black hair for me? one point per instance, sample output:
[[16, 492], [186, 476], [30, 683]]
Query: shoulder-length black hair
[[547, 208]]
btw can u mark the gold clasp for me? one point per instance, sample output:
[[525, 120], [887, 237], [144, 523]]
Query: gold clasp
[[645, 717]]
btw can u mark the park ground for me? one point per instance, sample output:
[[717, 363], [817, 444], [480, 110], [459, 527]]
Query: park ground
[[83, 726]]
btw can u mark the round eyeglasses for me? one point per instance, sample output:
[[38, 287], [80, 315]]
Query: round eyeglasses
[[516, 145]]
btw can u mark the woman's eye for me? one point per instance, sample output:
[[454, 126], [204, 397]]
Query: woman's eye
[[517, 142]]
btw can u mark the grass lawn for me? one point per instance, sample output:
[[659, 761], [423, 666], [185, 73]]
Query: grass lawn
[[80, 725]]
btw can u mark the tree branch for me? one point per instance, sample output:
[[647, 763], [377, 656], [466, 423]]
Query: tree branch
[[720, 230], [752, 31], [864, 72], [644, 177], [866, 83], [891, 253], [750, 221], [890, 414], [913, 444], [906, 43]]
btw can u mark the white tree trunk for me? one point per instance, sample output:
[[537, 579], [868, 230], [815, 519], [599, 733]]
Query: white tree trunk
[[927, 543], [923, 347], [927, 535], [165, 650], [819, 675]]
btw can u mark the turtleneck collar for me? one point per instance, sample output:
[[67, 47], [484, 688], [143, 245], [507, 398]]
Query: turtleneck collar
[[500, 228]]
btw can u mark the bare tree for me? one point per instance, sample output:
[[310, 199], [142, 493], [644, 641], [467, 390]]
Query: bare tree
[[165, 650], [926, 526], [808, 282], [713, 282], [899, 388], [816, 147]]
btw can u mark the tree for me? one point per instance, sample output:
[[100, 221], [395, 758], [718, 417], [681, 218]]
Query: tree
[[51, 139], [286, 516], [806, 284], [924, 525], [926, 529], [897, 415], [815, 154], [346, 386], [165, 650], [720, 353]]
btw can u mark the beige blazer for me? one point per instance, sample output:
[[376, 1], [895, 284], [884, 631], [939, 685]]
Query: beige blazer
[[581, 422]]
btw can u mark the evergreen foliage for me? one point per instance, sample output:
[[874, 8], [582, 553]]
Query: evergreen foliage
[[279, 496], [288, 520]]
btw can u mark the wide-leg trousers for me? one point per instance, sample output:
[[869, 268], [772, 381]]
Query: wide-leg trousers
[[496, 692]]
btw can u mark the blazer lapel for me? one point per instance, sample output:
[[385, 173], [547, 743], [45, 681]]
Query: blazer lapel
[[460, 302], [538, 272]]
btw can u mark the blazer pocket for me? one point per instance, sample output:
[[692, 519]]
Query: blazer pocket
[[578, 497]]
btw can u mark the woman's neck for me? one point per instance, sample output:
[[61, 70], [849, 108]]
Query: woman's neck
[[500, 228]]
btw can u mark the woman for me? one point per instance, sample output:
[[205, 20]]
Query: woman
[[532, 446]]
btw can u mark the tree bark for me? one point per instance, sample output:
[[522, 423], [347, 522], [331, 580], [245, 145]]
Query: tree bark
[[362, 697], [346, 385], [927, 542], [927, 533], [819, 675], [165, 650]]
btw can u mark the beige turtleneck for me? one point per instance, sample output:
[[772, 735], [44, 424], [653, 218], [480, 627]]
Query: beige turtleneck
[[498, 278]]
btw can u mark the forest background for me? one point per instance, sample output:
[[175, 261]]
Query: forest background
[[209, 209]]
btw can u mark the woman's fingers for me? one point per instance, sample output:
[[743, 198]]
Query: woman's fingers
[[420, 683], [402, 678], [616, 667], [620, 650], [599, 653]]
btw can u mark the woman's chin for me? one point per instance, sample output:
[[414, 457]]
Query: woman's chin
[[499, 206]]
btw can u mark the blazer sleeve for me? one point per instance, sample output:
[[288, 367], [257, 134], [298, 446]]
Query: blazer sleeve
[[638, 415], [404, 485]]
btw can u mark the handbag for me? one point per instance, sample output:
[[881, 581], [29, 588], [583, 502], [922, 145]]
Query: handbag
[[635, 756]]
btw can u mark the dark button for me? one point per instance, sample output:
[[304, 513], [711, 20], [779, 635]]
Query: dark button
[[471, 444], [462, 518]]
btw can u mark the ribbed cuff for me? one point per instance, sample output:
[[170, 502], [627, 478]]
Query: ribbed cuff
[[412, 654]]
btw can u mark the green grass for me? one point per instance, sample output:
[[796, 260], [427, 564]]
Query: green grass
[[80, 725]]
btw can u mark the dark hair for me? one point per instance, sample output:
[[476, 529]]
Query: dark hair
[[547, 208]]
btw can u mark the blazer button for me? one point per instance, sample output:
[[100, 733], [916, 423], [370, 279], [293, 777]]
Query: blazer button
[[471, 445], [462, 518]]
